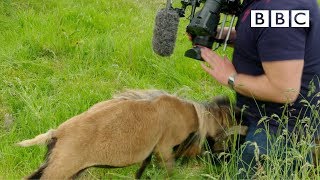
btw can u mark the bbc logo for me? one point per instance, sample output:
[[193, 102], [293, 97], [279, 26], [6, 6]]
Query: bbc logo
[[280, 18]]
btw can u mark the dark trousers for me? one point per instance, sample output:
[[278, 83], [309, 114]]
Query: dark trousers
[[258, 144]]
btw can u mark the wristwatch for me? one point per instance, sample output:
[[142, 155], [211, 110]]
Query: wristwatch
[[231, 80]]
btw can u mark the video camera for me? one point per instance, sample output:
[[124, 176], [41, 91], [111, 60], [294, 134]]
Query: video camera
[[203, 24]]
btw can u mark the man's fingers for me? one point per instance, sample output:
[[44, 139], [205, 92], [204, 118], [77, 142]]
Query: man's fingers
[[209, 56], [207, 50], [206, 68], [209, 53]]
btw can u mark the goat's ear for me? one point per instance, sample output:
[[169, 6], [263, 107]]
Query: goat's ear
[[219, 104], [226, 105], [222, 101], [213, 104]]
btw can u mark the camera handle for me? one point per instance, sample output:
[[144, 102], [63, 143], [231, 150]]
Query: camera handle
[[194, 53]]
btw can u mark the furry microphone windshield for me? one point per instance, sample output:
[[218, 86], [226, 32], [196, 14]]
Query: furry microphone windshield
[[165, 32]]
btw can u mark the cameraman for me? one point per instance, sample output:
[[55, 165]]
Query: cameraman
[[273, 69]]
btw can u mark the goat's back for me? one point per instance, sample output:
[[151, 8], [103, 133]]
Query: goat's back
[[123, 132]]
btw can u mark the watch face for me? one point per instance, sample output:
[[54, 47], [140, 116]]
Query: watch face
[[231, 81]]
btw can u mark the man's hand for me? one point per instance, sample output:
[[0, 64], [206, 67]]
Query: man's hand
[[219, 68]]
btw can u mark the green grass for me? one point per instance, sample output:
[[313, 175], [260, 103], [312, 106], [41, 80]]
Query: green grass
[[59, 57]]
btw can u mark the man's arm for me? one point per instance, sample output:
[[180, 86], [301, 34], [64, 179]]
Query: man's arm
[[280, 83]]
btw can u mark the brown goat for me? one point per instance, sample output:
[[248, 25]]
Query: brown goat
[[127, 130]]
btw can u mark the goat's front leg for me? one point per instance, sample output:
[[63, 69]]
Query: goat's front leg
[[165, 155], [143, 166]]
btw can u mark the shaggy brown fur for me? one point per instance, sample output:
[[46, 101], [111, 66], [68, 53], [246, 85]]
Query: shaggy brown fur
[[222, 141], [126, 130]]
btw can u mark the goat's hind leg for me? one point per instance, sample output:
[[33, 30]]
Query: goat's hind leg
[[37, 174], [63, 168], [143, 166]]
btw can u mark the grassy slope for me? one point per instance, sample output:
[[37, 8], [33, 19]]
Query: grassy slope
[[58, 58]]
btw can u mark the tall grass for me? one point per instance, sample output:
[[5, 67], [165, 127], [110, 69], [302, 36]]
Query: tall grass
[[58, 58], [289, 155]]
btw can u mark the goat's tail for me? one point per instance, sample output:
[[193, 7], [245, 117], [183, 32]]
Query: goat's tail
[[40, 139]]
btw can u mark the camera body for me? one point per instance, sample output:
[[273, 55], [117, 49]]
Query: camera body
[[203, 24]]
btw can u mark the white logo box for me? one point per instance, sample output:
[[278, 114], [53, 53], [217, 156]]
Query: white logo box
[[280, 18]]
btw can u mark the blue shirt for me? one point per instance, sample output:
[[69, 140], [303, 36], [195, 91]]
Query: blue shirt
[[256, 45]]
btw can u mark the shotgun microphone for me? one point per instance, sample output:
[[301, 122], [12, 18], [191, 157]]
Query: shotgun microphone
[[165, 31]]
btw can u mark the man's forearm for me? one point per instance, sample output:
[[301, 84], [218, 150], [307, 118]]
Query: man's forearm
[[260, 88]]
